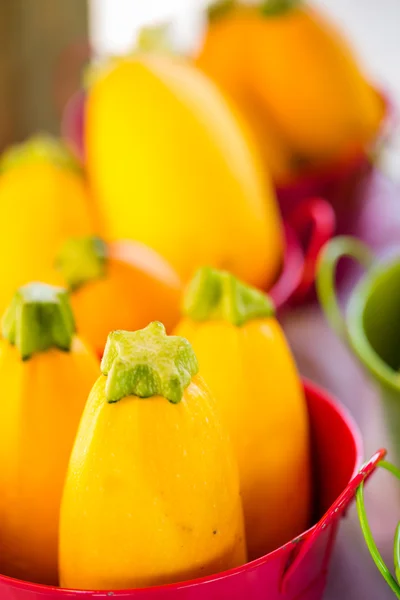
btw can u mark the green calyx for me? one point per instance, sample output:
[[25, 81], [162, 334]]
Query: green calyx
[[147, 363], [41, 148], [39, 318], [274, 8], [155, 38], [81, 260], [220, 8], [218, 295], [97, 70]]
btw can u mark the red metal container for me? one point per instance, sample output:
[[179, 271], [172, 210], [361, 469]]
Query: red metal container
[[296, 571]]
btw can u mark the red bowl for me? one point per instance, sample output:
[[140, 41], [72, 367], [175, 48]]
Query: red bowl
[[295, 571], [343, 185], [307, 228]]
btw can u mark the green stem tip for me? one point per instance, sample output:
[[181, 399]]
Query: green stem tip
[[218, 295], [82, 259], [219, 8], [147, 363], [155, 38], [40, 148], [39, 318], [274, 8]]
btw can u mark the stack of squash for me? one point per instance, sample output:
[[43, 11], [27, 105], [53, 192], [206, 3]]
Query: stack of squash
[[178, 455]]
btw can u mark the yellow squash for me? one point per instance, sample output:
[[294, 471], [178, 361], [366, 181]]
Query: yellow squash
[[44, 200], [295, 79], [245, 359], [152, 492], [173, 167], [46, 373]]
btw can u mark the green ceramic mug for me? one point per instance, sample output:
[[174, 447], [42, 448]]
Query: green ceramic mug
[[371, 322]]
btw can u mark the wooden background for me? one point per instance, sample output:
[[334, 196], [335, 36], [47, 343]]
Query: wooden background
[[42, 45]]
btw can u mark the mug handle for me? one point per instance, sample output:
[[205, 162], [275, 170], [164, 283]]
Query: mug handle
[[336, 510], [318, 213], [369, 540], [333, 251]]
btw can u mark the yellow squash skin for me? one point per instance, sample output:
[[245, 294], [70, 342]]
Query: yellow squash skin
[[251, 373], [42, 401], [43, 204], [296, 80], [174, 168], [152, 493]]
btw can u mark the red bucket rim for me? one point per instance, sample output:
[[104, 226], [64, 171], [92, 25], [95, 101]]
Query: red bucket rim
[[311, 389]]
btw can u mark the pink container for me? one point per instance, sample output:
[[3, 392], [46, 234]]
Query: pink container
[[296, 571], [343, 185], [73, 123]]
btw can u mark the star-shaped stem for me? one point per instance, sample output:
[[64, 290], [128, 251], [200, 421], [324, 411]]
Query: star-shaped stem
[[42, 148], [219, 8], [217, 295], [39, 318], [147, 363], [81, 260], [273, 8]]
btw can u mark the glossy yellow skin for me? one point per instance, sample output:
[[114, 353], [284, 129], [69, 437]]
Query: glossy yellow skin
[[298, 83], [172, 167], [252, 375], [152, 494], [43, 205], [42, 402]]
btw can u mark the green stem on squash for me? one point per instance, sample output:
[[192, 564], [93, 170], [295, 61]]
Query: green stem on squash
[[41, 148], [39, 318], [81, 260], [274, 8], [218, 295], [155, 38], [219, 8], [147, 363], [97, 70]]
